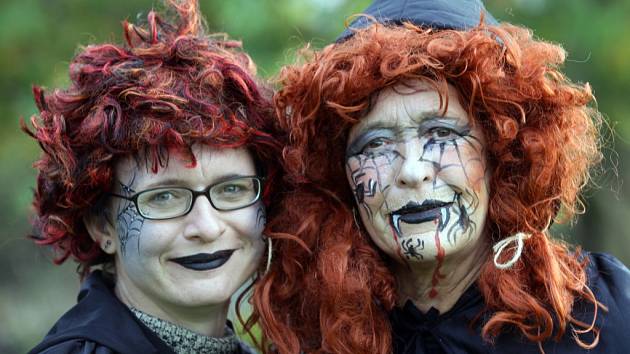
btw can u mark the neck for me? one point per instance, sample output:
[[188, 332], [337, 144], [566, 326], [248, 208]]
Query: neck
[[206, 320], [440, 283]]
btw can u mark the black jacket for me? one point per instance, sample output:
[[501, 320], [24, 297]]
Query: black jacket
[[100, 324], [452, 333]]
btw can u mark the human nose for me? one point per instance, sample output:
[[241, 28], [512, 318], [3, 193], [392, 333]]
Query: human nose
[[203, 222], [417, 167]]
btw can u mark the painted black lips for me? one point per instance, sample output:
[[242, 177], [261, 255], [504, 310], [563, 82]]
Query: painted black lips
[[414, 213], [204, 261]]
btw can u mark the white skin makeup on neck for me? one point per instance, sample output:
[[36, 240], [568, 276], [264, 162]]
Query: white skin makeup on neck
[[420, 179], [185, 269]]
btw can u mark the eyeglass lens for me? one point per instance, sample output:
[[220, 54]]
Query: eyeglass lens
[[170, 202]]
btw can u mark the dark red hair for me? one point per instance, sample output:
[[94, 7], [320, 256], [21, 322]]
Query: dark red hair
[[169, 87], [542, 141]]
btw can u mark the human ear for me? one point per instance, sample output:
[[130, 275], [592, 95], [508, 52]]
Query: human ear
[[101, 230]]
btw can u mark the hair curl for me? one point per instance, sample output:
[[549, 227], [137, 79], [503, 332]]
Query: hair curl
[[542, 140], [169, 87]]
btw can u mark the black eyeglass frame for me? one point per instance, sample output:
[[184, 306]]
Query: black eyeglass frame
[[195, 194]]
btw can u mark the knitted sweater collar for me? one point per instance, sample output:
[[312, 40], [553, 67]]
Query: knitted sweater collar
[[185, 341]]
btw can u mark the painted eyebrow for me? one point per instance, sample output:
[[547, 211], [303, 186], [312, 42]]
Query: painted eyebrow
[[171, 182], [423, 120], [424, 116], [450, 122]]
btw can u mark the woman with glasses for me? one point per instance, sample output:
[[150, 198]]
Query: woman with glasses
[[156, 167]]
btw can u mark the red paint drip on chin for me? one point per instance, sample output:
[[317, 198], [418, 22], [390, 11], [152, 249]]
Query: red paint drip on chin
[[436, 273]]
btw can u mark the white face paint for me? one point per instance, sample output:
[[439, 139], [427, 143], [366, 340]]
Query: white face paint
[[419, 177], [146, 249]]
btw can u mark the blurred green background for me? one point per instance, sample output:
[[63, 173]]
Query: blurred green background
[[39, 37]]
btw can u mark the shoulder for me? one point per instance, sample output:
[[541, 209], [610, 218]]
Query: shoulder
[[72, 346], [98, 323], [609, 278]]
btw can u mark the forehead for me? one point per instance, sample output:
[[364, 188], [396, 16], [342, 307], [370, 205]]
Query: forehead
[[408, 104], [211, 164]]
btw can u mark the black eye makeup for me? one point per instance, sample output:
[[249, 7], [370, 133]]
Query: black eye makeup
[[371, 140], [438, 129], [443, 128]]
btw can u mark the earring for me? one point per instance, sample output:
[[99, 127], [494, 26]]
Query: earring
[[500, 246], [269, 254], [108, 243]]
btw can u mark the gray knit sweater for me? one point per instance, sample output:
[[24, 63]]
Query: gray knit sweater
[[185, 341]]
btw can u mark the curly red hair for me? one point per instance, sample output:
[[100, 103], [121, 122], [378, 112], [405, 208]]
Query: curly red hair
[[170, 87], [334, 295]]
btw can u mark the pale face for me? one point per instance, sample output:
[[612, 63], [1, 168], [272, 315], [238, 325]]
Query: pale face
[[195, 260], [419, 176]]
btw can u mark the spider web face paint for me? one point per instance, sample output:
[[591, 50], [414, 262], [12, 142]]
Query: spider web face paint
[[419, 175], [128, 220], [221, 249]]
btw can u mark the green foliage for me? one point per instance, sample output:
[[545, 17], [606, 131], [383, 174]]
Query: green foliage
[[39, 37]]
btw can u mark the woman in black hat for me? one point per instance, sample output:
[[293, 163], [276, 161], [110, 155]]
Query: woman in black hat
[[431, 149]]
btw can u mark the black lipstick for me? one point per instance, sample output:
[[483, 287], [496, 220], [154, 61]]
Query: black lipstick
[[415, 213], [204, 261]]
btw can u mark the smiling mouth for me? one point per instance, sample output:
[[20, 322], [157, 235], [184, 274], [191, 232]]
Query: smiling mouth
[[414, 213], [204, 261]]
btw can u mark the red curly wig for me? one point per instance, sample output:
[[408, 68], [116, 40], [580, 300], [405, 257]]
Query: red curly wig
[[169, 87], [333, 295]]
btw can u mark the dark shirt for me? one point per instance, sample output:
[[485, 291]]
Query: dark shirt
[[457, 332], [100, 324]]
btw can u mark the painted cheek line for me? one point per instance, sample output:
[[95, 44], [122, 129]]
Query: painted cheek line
[[444, 218], [261, 216], [368, 211], [378, 183], [473, 141]]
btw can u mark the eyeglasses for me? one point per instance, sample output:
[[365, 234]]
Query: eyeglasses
[[172, 202]]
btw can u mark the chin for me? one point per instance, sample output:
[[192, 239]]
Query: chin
[[204, 292], [206, 299]]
